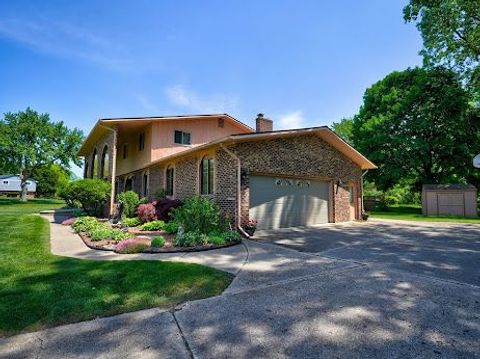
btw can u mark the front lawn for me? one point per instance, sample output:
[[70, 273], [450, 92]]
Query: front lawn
[[414, 213], [38, 289]]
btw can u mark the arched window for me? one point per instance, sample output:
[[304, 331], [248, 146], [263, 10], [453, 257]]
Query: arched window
[[105, 165], [94, 173], [85, 172], [207, 168], [129, 184], [145, 184], [169, 178]]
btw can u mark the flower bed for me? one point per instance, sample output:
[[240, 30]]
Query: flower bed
[[102, 236]]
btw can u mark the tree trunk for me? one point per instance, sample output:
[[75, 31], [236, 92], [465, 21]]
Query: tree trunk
[[23, 184]]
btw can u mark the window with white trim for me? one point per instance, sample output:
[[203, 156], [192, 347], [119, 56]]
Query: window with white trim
[[182, 138], [207, 170], [169, 178]]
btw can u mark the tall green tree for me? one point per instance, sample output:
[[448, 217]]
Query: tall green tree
[[344, 129], [29, 140], [50, 179], [415, 125], [451, 35]]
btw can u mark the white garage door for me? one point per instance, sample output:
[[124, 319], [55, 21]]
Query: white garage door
[[288, 202]]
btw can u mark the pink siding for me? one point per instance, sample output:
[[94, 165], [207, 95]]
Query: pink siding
[[202, 131]]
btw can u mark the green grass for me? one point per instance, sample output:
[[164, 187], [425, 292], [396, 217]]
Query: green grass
[[414, 213], [9, 205], [38, 289]]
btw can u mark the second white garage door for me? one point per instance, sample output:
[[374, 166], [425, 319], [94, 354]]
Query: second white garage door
[[288, 202]]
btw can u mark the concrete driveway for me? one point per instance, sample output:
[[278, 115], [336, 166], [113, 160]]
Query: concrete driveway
[[380, 289]]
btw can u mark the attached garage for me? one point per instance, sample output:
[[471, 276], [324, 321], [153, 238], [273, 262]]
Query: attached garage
[[449, 200], [278, 202]]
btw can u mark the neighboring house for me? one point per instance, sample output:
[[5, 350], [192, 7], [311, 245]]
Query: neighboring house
[[11, 185], [281, 178]]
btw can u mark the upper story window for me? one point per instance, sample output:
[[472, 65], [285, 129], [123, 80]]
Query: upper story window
[[141, 141], [207, 168], [169, 181], [125, 151], [182, 138]]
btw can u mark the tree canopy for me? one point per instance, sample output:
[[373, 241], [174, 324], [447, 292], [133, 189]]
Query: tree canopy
[[29, 140], [344, 129], [415, 125], [451, 35]]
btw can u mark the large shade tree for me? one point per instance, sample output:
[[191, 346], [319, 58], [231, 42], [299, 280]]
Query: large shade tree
[[416, 126], [451, 35], [29, 140]]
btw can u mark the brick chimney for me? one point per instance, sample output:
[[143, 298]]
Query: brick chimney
[[263, 124]]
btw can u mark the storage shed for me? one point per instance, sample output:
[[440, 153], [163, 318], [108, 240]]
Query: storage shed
[[449, 200]]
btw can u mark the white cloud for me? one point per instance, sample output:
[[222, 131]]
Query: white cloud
[[189, 100], [148, 105], [290, 120], [65, 40]]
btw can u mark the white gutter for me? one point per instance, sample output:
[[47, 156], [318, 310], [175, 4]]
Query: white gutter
[[239, 193]]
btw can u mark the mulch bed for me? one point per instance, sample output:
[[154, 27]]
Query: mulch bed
[[109, 245]]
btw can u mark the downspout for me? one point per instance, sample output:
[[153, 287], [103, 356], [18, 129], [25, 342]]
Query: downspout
[[114, 169], [239, 188], [361, 184]]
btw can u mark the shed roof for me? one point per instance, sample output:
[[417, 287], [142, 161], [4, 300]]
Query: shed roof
[[449, 187]]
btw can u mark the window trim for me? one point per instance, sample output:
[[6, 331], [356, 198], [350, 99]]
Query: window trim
[[95, 165], [105, 155], [182, 135], [172, 192], [210, 190]]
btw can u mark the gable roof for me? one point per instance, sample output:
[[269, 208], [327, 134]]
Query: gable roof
[[16, 176], [323, 132], [103, 125]]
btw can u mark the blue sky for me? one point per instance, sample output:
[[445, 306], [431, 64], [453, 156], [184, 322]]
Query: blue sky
[[302, 63]]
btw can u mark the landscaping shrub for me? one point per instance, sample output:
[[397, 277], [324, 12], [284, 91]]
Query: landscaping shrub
[[146, 212], [130, 246], [118, 235], [130, 201], [217, 240], [131, 222], [85, 224], [171, 227], [231, 236], [91, 194], [152, 226], [197, 214], [188, 239], [158, 242], [164, 208], [100, 233]]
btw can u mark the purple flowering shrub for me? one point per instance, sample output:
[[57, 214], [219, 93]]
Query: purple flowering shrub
[[129, 246], [69, 221]]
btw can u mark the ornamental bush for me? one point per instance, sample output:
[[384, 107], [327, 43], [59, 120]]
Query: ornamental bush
[[91, 194], [85, 224], [152, 226], [190, 239], [131, 222], [198, 214], [130, 201], [118, 235], [171, 227], [100, 233], [231, 236], [146, 212], [164, 208], [158, 242], [129, 246]]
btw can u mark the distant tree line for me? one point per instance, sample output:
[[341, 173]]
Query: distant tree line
[[422, 125]]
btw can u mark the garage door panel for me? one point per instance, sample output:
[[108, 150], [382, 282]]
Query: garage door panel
[[277, 203]]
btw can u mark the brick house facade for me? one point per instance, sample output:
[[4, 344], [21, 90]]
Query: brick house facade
[[314, 154]]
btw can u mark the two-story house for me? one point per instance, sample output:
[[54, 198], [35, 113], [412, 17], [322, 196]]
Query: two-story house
[[282, 178]]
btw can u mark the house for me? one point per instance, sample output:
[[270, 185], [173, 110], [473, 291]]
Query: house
[[11, 185], [282, 178]]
